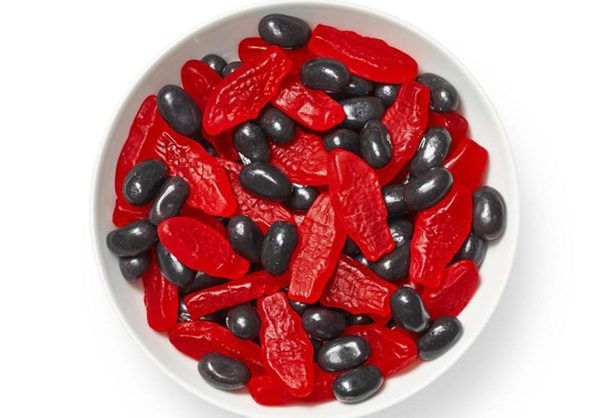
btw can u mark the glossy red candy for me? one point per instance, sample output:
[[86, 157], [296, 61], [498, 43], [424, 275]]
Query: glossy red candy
[[304, 160], [391, 350], [458, 286], [370, 58], [242, 95], [199, 80], [191, 212], [125, 213], [223, 144], [406, 121], [468, 164], [358, 203], [263, 212], [233, 293], [319, 247], [201, 247], [287, 351], [439, 232], [314, 109], [249, 48], [209, 186], [161, 298], [356, 289], [197, 338], [456, 125]]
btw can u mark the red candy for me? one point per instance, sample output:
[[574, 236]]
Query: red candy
[[358, 202], [199, 80], [439, 233], [197, 338], [242, 95], [249, 48], [319, 247], [370, 58], [287, 351], [201, 247], [455, 124], [458, 286], [161, 298], [468, 164]]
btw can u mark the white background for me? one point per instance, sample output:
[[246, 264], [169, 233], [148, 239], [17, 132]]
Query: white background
[[65, 67]]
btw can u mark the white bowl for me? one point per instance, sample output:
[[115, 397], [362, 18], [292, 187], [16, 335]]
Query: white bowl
[[221, 36]]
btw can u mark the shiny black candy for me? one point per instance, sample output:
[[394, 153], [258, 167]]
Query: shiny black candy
[[230, 67], [395, 200], [432, 150], [245, 237], [325, 74], [387, 93], [285, 31], [427, 189], [440, 337], [489, 213], [322, 323], [363, 260], [143, 182], [277, 125], [179, 110], [201, 281], [394, 266], [359, 320], [243, 322], [408, 310], [343, 353], [299, 307], [214, 61], [342, 138], [250, 141], [266, 181], [358, 385], [183, 315], [133, 268], [474, 248], [170, 200], [132, 239], [360, 110], [173, 270], [357, 87], [223, 372], [402, 231], [278, 246], [350, 248], [444, 97], [302, 197], [375, 144]]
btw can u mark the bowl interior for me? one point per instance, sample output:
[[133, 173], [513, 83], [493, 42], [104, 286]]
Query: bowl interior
[[221, 37]]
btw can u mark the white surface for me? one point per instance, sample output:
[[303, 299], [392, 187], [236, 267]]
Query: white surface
[[64, 350], [223, 36]]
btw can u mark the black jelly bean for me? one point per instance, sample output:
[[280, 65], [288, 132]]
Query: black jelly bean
[[474, 248], [266, 181], [217, 317], [285, 31], [201, 281], [250, 141], [277, 125], [278, 246], [243, 322], [360, 110], [387, 93], [342, 138], [134, 267], [357, 87], [245, 237], [395, 200], [432, 150], [444, 97], [179, 110], [316, 347], [170, 200], [299, 307], [375, 144], [343, 353], [408, 310], [325, 74], [223, 372], [214, 61], [173, 269], [401, 230], [132, 239], [230, 67], [440, 337], [322, 323], [359, 320], [363, 260], [427, 189], [183, 315], [143, 182], [394, 266], [350, 248], [489, 213], [358, 385], [302, 197]]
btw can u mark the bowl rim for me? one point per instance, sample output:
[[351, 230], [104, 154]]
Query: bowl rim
[[207, 24]]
